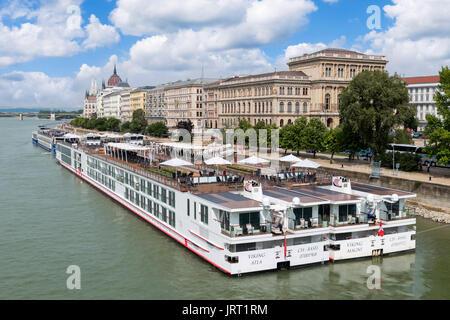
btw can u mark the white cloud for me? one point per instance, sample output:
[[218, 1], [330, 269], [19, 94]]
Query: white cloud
[[99, 35], [138, 17], [418, 43], [217, 25], [53, 30]]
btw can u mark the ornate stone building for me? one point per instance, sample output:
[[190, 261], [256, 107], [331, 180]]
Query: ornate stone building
[[184, 101], [311, 88], [330, 71], [274, 98]]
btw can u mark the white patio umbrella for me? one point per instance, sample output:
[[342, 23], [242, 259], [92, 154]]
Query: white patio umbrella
[[217, 161], [254, 160], [306, 164], [175, 162], [290, 158]]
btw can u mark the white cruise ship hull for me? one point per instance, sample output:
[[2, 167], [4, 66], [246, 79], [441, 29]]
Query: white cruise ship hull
[[211, 245]]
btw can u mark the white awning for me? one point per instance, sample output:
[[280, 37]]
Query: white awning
[[217, 161], [306, 164], [175, 162], [127, 146], [290, 158], [254, 160]]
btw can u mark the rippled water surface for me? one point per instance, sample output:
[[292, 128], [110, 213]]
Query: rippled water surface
[[50, 219]]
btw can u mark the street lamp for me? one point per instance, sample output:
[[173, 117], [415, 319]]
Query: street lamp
[[393, 159]]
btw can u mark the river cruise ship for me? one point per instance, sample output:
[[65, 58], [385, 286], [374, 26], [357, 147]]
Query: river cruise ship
[[47, 138], [242, 221]]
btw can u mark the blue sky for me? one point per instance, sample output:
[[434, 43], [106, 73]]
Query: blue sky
[[54, 49]]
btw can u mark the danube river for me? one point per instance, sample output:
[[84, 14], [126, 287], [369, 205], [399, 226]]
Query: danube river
[[50, 220]]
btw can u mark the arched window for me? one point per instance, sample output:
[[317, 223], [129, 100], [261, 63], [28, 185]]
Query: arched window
[[305, 107], [281, 123], [289, 108], [289, 121], [329, 122], [327, 101], [339, 99], [297, 107], [281, 106]]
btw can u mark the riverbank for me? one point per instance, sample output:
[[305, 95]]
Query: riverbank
[[429, 212]]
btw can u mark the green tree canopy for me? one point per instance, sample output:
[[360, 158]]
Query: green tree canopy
[[157, 129], [335, 141], [371, 107], [438, 130], [314, 135]]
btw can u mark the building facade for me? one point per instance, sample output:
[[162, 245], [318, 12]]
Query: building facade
[[108, 100], [90, 102], [273, 98], [184, 101], [138, 99], [330, 71], [421, 94], [125, 107], [310, 88], [155, 106]]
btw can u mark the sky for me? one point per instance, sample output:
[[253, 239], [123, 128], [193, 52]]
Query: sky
[[51, 50]]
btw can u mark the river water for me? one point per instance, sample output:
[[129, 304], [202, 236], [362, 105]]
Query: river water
[[50, 220]]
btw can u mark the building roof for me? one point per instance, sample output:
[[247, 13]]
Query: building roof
[[230, 200], [114, 80], [425, 79], [264, 75], [189, 83]]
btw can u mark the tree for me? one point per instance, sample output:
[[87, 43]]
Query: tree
[[113, 124], [372, 106], [314, 135], [402, 136], [157, 129], [438, 130], [286, 137], [298, 132], [335, 141], [125, 127], [244, 125], [138, 122], [187, 125]]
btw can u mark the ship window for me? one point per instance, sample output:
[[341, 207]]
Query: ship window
[[302, 213], [341, 236], [164, 214], [249, 218], [127, 193], [149, 188], [172, 199], [204, 214], [188, 207], [149, 205], [163, 195], [137, 198], [172, 218], [345, 211], [156, 209], [302, 240], [155, 191], [195, 210], [224, 218], [246, 247]]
